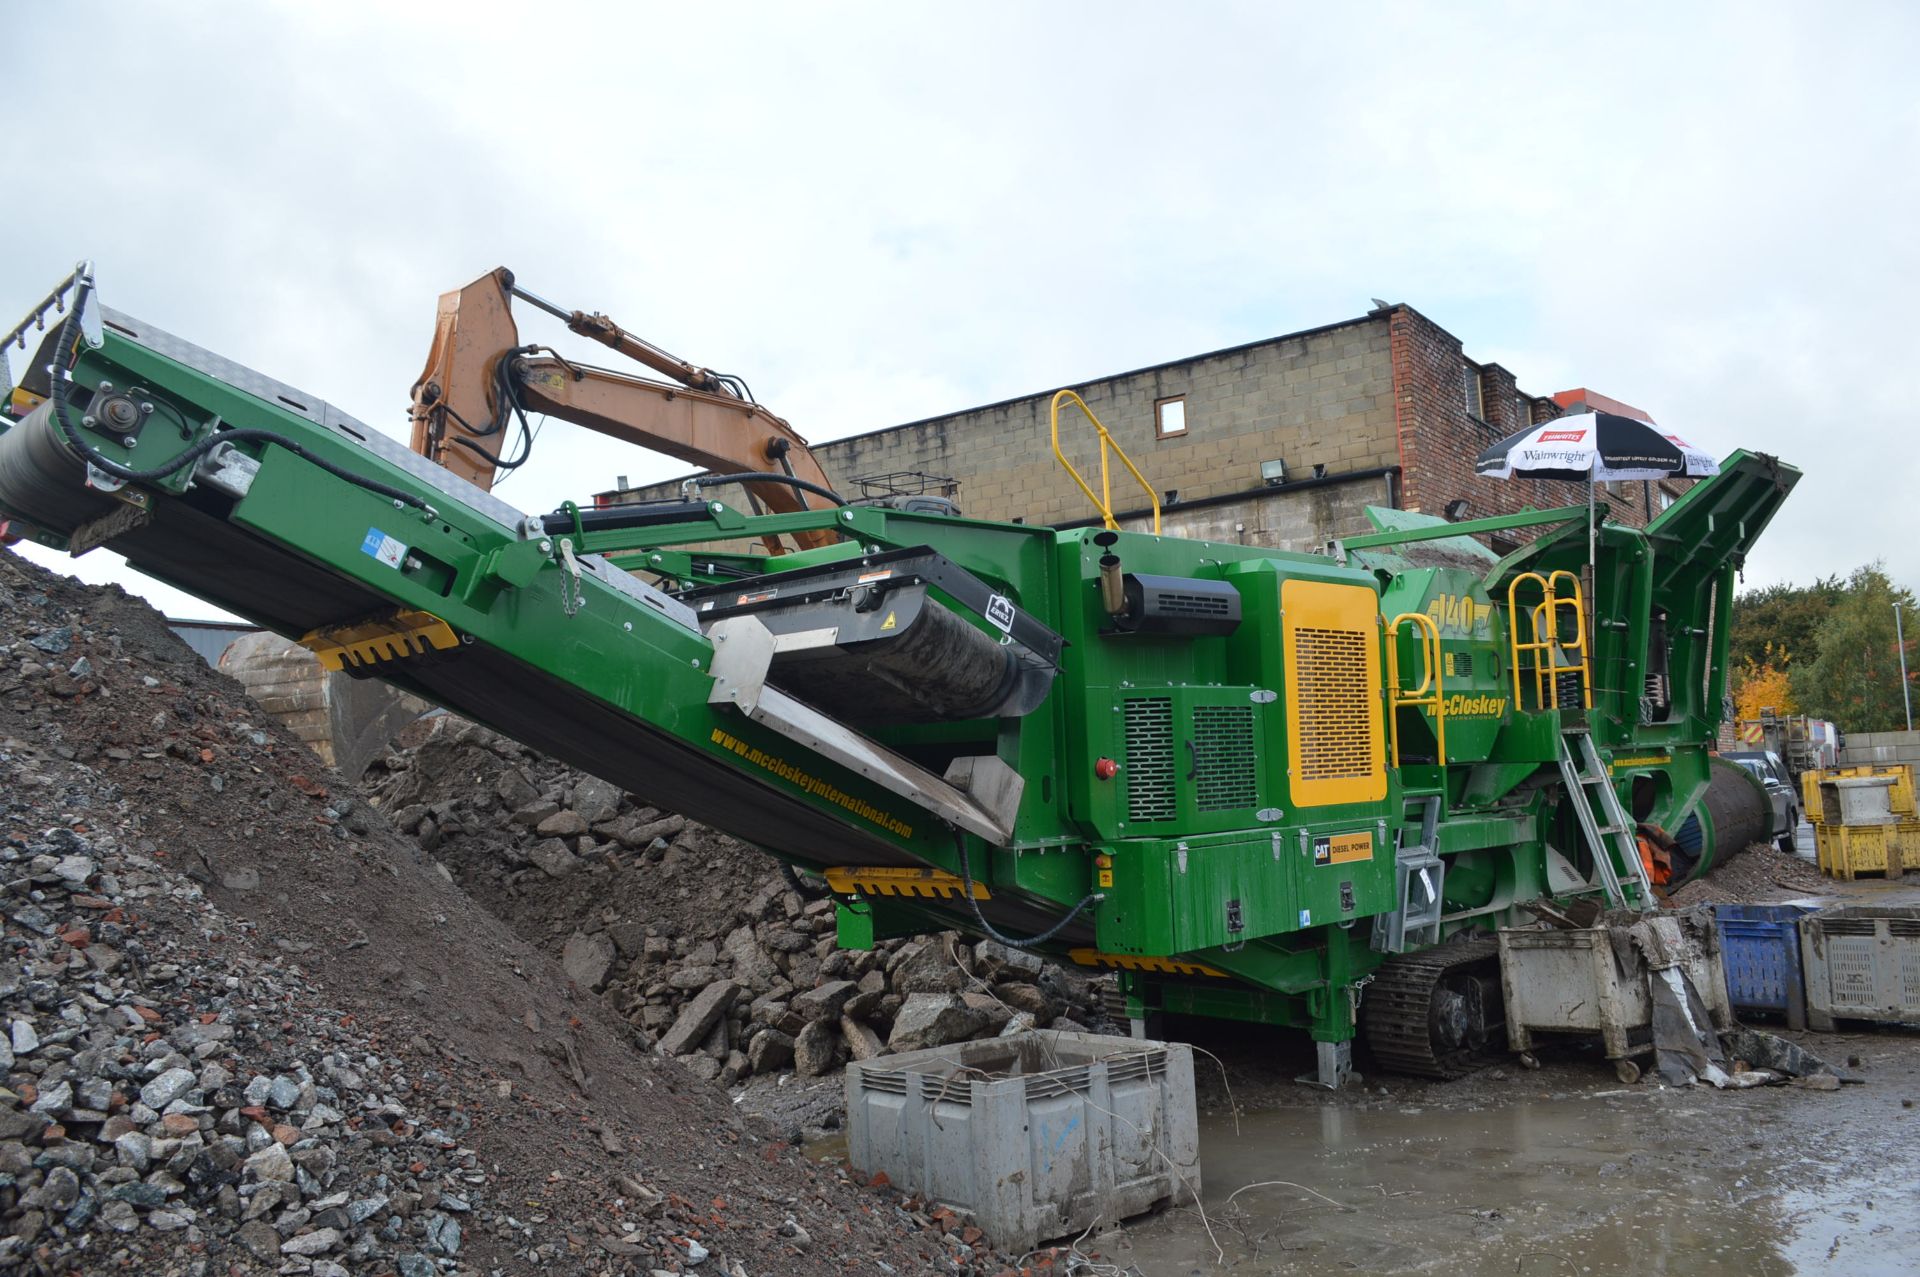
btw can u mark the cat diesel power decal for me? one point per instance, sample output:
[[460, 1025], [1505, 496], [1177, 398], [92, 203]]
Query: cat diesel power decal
[[1461, 705], [1340, 849]]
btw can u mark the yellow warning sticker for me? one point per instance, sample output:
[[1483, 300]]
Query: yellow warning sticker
[[888, 623], [1340, 849]]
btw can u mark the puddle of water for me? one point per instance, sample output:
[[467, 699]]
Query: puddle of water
[[1582, 1187], [831, 1149]]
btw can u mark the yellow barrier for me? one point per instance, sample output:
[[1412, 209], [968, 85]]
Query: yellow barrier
[[1544, 620], [1104, 502], [1430, 694]]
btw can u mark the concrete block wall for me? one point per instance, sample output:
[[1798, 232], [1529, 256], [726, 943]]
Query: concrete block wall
[[1301, 521], [1323, 397], [1881, 747], [1388, 389]]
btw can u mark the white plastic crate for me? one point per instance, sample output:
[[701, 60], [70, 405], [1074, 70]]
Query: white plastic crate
[[1035, 1136]]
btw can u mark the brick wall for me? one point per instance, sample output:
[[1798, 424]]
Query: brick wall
[[1439, 437]]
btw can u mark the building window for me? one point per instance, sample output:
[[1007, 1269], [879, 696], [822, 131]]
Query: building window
[[1170, 417], [1666, 498], [1470, 391], [1523, 411]]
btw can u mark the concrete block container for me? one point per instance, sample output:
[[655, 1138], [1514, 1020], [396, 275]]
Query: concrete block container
[[1579, 981], [1036, 1136], [1862, 963]]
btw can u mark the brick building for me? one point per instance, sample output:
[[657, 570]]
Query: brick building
[[1278, 442]]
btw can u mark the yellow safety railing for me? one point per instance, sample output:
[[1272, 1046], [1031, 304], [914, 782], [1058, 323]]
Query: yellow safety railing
[[1552, 654], [1104, 501], [1431, 694]]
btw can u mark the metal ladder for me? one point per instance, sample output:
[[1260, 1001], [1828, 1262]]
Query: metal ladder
[[1615, 850]]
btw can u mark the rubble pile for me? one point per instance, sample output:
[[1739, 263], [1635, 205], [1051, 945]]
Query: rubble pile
[[150, 1092], [245, 1028], [696, 939]]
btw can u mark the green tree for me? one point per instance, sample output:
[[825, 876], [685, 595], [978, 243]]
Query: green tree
[[1854, 679], [1786, 619]]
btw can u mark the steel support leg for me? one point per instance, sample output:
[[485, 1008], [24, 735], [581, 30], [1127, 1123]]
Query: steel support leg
[[1333, 1066]]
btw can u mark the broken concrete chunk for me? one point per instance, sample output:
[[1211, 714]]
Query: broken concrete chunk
[[696, 1019], [933, 1019], [823, 1003], [588, 960]]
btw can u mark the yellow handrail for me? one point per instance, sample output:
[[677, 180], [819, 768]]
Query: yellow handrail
[[1418, 697], [1104, 502], [1543, 618]]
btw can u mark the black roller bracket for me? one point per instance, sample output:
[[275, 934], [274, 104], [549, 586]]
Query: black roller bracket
[[884, 573]]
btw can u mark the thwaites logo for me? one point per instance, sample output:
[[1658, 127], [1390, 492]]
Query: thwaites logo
[[1561, 436]]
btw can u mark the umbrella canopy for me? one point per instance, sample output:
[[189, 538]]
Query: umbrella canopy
[[1594, 447]]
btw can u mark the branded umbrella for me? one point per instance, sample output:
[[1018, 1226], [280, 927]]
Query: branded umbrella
[[1594, 447]]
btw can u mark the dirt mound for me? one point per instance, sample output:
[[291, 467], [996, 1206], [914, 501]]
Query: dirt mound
[[249, 1028], [1762, 874]]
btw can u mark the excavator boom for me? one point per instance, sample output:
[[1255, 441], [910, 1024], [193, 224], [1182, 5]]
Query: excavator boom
[[479, 377]]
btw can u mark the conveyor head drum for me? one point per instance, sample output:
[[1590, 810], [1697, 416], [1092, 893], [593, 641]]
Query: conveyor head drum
[[42, 480]]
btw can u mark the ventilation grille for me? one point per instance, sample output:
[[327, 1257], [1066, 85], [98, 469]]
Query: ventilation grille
[[1150, 758], [1224, 776], [1332, 709], [1850, 962], [1173, 603], [886, 1083]]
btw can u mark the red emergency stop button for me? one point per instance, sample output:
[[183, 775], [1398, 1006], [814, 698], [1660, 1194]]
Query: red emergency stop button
[[1104, 768]]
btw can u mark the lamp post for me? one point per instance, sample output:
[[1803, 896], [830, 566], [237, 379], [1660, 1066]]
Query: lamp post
[[1900, 641]]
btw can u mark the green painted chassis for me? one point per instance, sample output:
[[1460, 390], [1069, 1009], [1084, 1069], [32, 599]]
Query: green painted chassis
[[1304, 935]]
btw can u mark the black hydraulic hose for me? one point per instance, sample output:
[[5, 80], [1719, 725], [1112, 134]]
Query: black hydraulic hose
[[62, 378], [510, 405], [757, 476], [1012, 942]]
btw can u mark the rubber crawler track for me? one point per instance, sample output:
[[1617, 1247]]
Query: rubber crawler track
[[1397, 1013]]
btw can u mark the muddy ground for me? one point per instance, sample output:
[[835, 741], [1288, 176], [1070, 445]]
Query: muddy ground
[[1560, 1170]]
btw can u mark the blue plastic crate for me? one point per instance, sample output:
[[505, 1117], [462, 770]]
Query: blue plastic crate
[[1760, 950]]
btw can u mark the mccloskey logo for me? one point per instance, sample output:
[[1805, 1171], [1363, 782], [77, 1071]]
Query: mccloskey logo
[[1462, 705]]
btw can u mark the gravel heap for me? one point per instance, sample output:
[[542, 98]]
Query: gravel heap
[[696, 939], [1762, 874], [246, 1028]]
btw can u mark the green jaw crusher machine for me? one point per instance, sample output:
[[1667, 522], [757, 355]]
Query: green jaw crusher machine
[[1288, 789]]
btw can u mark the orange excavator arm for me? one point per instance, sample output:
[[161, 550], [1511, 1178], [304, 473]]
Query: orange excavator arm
[[479, 375]]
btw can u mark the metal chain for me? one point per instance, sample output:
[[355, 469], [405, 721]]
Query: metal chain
[[572, 597]]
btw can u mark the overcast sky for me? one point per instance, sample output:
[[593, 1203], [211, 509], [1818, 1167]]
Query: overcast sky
[[882, 212]]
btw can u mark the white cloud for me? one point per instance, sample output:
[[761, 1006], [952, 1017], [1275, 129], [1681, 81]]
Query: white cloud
[[877, 213]]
